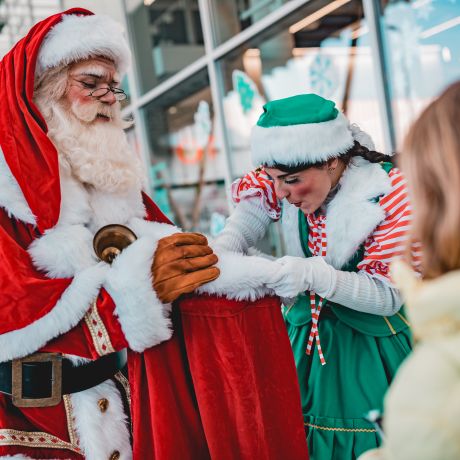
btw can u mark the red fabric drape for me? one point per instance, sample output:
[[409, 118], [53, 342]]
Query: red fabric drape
[[165, 418], [30, 155], [224, 387], [244, 376]]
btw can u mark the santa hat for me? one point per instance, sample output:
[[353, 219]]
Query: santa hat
[[29, 153], [303, 129], [79, 37]]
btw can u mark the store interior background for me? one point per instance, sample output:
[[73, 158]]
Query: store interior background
[[202, 70]]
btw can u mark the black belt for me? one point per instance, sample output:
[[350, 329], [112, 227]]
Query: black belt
[[40, 380]]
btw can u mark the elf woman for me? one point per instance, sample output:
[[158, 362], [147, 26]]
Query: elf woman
[[344, 215]]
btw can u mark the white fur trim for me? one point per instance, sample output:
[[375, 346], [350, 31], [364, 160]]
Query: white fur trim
[[97, 208], [101, 433], [361, 136], [66, 314], [63, 251], [143, 317], [79, 37], [11, 196], [241, 277], [156, 230], [351, 216], [15, 457], [307, 143], [75, 207]]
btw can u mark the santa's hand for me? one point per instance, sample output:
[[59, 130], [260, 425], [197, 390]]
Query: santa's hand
[[182, 263], [297, 274]]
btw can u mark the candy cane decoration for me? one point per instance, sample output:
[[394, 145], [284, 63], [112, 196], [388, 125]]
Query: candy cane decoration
[[316, 309]]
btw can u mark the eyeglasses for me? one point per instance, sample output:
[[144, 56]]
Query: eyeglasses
[[119, 94]]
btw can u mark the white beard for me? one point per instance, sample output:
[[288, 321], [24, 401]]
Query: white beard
[[97, 153]]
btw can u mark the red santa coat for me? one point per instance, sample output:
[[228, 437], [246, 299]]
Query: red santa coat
[[223, 387]]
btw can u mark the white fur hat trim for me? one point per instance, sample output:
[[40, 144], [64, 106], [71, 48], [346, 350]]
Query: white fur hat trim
[[362, 137], [303, 143], [79, 37]]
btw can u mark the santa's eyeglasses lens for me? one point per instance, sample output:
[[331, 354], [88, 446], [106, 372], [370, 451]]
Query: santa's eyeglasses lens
[[119, 94]]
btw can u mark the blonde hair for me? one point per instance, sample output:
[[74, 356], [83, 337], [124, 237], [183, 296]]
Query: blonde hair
[[431, 163]]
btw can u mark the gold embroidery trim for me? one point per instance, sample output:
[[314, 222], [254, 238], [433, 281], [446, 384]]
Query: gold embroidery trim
[[98, 331], [403, 319], [34, 439], [389, 325], [125, 384], [348, 430], [70, 420]]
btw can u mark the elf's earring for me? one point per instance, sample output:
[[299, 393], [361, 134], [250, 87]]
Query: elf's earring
[[330, 170]]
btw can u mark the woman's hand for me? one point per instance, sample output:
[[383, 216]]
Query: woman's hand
[[297, 274]]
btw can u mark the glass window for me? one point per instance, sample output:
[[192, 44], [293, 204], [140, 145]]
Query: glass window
[[187, 164], [324, 49], [232, 16], [423, 49], [166, 36]]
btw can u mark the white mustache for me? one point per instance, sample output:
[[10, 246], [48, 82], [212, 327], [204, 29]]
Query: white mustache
[[89, 112]]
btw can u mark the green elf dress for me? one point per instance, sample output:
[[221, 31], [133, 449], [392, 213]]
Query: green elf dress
[[354, 356]]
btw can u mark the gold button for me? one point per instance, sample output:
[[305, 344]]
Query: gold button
[[115, 455], [103, 404]]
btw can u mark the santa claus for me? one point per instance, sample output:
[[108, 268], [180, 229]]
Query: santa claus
[[210, 390]]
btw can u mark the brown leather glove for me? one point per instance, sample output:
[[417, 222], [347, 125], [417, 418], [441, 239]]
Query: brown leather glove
[[182, 263]]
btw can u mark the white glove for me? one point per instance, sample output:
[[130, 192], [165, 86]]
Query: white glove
[[297, 274]]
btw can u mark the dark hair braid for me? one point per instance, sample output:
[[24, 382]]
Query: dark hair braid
[[372, 156]]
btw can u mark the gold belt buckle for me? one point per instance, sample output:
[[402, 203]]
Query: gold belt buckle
[[56, 380]]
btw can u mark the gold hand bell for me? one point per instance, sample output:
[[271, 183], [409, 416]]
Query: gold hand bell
[[110, 240]]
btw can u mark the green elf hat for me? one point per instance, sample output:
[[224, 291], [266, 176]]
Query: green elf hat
[[300, 129]]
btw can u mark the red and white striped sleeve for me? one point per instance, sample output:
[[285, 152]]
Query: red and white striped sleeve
[[389, 239]]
